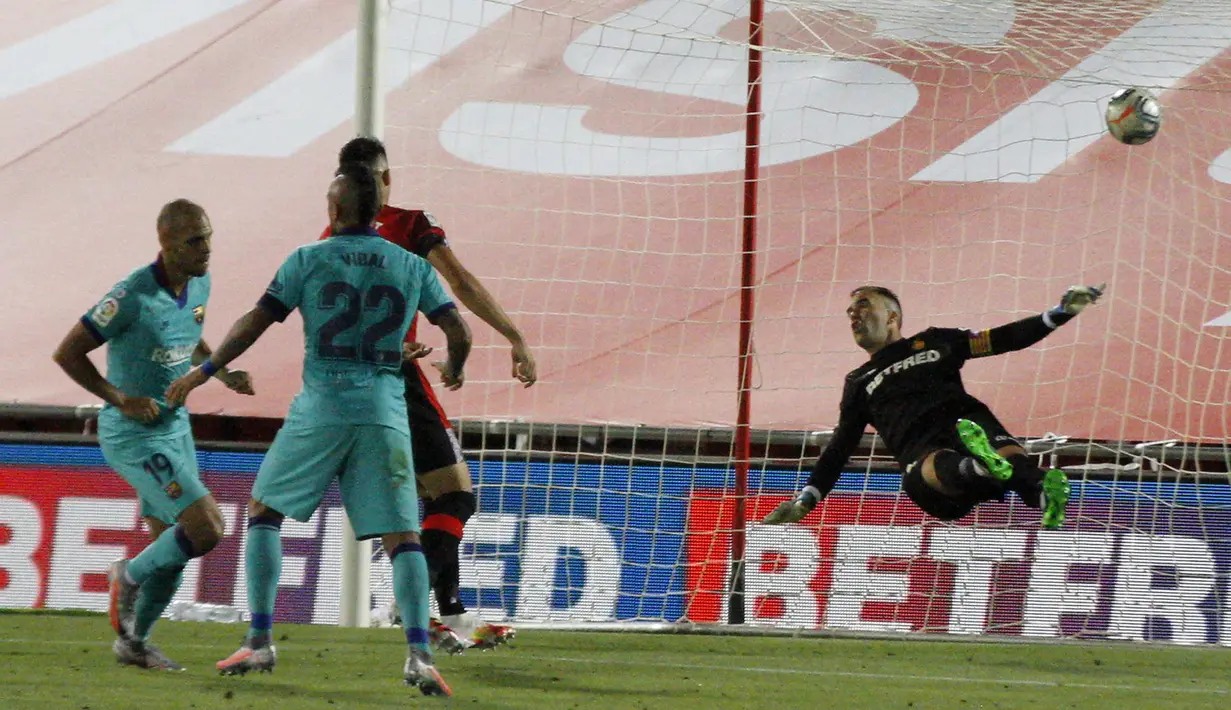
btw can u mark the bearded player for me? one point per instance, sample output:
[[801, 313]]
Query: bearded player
[[954, 453], [443, 477]]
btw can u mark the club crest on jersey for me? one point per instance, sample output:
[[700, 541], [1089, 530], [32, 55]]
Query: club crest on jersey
[[917, 345], [105, 312], [199, 314], [174, 491]]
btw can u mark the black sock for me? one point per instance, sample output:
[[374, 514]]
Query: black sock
[[1027, 480], [960, 474], [443, 523]]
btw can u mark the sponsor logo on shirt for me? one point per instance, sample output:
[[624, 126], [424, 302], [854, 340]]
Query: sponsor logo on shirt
[[903, 364], [199, 314], [173, 356]]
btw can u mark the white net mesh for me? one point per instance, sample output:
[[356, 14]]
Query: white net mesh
[[586, 159]]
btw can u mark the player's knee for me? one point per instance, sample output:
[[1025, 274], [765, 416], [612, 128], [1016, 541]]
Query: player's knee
[[208, 534], [203, 525], [399, 542], [257, 509], [448, 513]]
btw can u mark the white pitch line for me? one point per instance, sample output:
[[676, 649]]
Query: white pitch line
[[893, 676]]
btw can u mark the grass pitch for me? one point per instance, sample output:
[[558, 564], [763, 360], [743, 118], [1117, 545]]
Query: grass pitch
[[54, 661]]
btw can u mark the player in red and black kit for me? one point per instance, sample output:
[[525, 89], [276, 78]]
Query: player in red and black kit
[[443, 477], [953, 451]]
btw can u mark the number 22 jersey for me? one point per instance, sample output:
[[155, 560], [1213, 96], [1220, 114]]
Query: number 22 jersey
[[358, 294]]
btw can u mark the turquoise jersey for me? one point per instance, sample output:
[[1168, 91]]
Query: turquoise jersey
[[357, 293], [150, 335]]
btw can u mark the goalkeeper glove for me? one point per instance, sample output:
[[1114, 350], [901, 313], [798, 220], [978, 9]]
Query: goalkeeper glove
[[793, 511], [1077, 298]]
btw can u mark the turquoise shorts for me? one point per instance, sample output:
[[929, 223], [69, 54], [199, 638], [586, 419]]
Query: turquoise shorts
[[162, 470], [371, 463]]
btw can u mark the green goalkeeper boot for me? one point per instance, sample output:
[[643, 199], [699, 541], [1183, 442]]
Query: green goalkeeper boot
[[975, 440], [1056, 492]]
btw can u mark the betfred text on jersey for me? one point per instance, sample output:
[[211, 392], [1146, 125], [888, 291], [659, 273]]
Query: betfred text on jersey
[[903, 364]]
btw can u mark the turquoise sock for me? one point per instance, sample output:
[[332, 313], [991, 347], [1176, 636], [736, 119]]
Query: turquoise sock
[[155, 595], [263, 561], [170, 552], [410, 587]]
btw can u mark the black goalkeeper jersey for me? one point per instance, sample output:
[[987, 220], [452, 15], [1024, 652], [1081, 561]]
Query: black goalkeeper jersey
[[912, 388]]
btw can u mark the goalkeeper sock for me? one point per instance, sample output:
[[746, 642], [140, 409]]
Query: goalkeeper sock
[[171, 551], [1027, 480], [155, 595], [411, 589], [961, 474], [263, 564]]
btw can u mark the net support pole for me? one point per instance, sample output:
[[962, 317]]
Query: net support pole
[[356, 599], [743, 432]]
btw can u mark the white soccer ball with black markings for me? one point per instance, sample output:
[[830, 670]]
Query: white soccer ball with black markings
[[1134, 116]]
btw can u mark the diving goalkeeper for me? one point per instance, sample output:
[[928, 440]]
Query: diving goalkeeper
[[953, 451]]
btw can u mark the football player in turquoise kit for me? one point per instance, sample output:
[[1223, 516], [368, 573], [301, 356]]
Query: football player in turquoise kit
[[151, 322], [357, 294]]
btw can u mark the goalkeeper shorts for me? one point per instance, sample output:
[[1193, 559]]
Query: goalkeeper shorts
[[945, 436]]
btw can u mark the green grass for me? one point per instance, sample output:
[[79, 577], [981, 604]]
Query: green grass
[[53, 661]]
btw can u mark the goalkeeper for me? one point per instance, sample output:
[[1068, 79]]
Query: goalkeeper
[[954, 453]]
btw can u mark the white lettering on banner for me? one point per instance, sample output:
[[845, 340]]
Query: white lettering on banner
[[1225, 319], [303, 104], [1220, 170], [1224, 635], [854, 584], [975, 552], [294, 567], [1066, 116], [72, 555], [107, 32], [1185, 565], [25, 530], [812, 105], [327, 602], [781, 562], [1051, 593], [190, 587], [547, 539], [480, 572]]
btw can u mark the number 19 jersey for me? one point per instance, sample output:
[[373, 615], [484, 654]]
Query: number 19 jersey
[[358, 294]]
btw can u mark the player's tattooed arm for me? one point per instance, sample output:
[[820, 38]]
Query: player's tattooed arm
[[457, 333], [235, 380], [72, 355], [246, 331]]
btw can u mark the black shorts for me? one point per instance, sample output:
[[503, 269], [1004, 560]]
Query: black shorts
[[432, 441], [944, 436]]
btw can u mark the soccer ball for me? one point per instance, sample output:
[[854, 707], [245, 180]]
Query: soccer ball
[[1134, 116]]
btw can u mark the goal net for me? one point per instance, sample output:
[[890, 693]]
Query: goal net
[[587, 160]]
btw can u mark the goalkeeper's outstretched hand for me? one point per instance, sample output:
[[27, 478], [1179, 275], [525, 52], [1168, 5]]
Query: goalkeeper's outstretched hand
[[1077, 298], [789, 511]]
